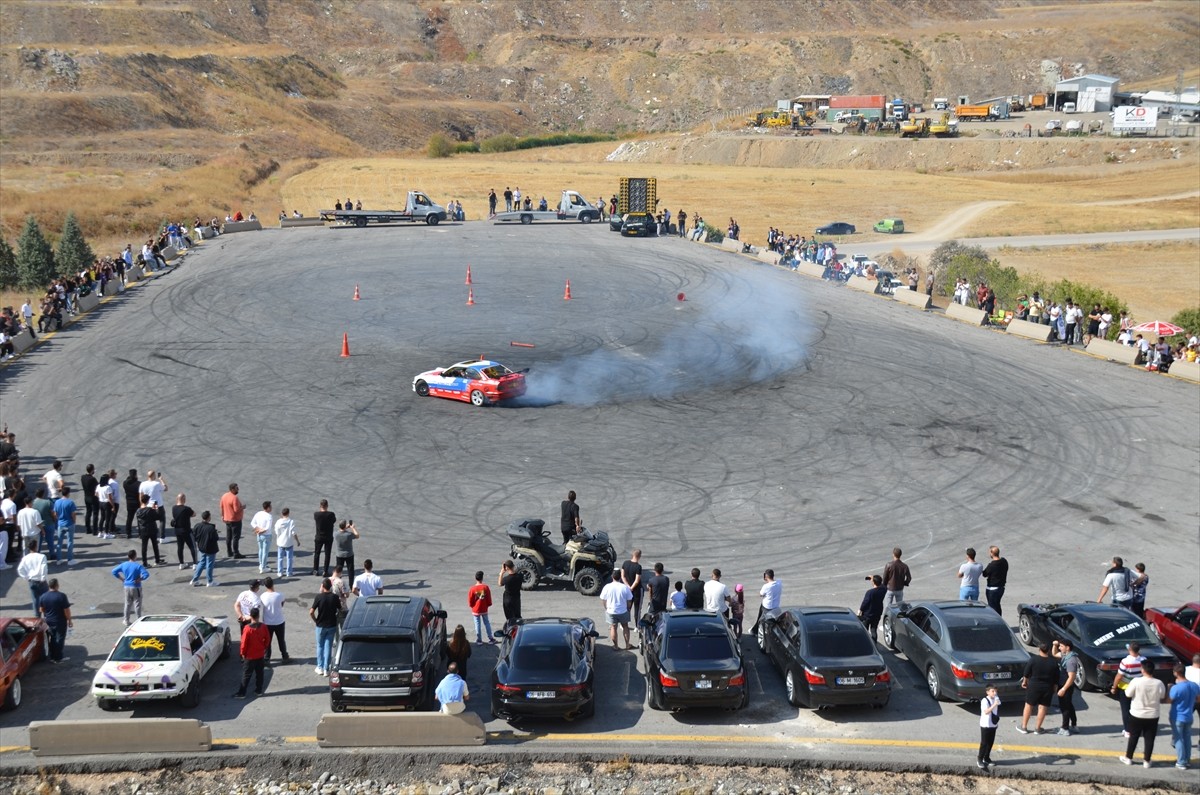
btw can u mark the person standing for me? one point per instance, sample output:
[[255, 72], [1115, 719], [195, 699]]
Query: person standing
[[452, 692], [569, 523], [130, 487], [510, 598], [147, 522], [324, 613], [771, 594], [262, 523], [870, 611], [368, 583], [45, 508], [1119, 580], [659, 589], [1128, 670], [155, 487], [246, 601], [338, 587], [256, 641], [1137, 590], [55, 609], [272, 617], [969, 573], [737, 609], [1040, 681], [54, 480], [989, 720], [29, 524], [233, 511], [716, 595], [491, 202], [457, 650], [208, 544], [132, 574], [324, 521], [616, 598], [896, 577], [1145, 695], [104, 498], [65, 510], [996, 575], [1072, 671], [508, 199], [181, 521], [343, 546], [286, 541], [631, 575], [1185, 698], [693, 591], [479, 599], [91, 505], [36, 571]]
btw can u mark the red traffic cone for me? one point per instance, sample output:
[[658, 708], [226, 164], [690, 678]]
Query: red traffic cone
[[470, 298], [345, 346], [567, 294], [468, 275], [356, 295]]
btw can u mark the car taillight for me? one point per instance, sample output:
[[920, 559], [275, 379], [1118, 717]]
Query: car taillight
[[418, 678], [667, 681], [883, 676], [334, 679], [508, 689], [738, 679], [961, 673], [813, 677], [1108, 666], [571, 688]]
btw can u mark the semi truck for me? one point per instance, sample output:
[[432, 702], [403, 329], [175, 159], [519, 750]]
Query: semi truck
[[418, 207], [571, 207]]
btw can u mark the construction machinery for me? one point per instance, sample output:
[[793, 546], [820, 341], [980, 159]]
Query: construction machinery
[[771, 119], [944, 127], [914, 128], [974, 112]]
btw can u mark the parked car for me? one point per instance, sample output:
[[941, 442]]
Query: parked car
[[826, 658], [1178, 630], [479, 382], [161, 657], [1099, 635], [545, 669], [389, 655], [890, 226], [639, 225], [961, 647], [836, 228], [614, 222], [22, 643], [691, 659]]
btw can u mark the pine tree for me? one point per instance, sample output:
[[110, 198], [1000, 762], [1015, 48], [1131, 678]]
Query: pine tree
[[8, 266], [35, 258], [74, 254]]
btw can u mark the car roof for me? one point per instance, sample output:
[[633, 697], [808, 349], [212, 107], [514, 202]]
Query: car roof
[[474, 363], [683, 621], [384, 615], [822, 612], [1093, 610], [543, 632], [159, 625]]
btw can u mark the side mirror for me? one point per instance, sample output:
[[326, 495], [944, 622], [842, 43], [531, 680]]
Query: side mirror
[[647, 622], [593, 634], [498, 634], [440, 614]]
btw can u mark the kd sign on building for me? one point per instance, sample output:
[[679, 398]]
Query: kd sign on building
[[1129, 117]]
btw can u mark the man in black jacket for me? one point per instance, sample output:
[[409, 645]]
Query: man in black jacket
[[871, 609], [130, 487], [208, 544], [91, 503]]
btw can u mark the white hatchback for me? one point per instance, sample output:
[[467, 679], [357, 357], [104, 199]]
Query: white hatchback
[[161, 657]]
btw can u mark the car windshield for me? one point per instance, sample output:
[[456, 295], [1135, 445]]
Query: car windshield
[[146, 648], [1116, 632], [981, 637], [384, 651], [840, 644], [541, 657], [496, 371], [698, 647]]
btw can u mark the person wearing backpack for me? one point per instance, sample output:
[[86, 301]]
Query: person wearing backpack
[[1070, 671]]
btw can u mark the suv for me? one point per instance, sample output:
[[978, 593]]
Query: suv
[[389, 655]]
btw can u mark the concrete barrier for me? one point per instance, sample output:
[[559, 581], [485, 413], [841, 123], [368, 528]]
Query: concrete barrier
[[169, 253], [810, 269], [1029, 330], [913, 298], [205, 232], [1113, 351], [769, 257], [89, 302], [133, 274], [241, 226], [289, 223], [1189, 371], [23, 341], [862, 284], [132, 736], [729, 244], [398, 729], [976, 317]]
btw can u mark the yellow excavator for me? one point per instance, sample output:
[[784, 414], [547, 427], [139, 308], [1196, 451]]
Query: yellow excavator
[[769, 118], [914, 128], [945, 127]]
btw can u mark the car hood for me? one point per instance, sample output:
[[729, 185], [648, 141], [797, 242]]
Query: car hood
[[123, 673], [728, 665]]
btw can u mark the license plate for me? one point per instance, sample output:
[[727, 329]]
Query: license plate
[[539, 694], [375, 677], [851, 680], [998, 675], [704, 684]]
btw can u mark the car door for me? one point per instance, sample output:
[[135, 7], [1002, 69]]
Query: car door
[[915, 636], [1181, 627], [778, 640], [451, 383], [210, 647]]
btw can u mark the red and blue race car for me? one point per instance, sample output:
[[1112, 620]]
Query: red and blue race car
[[480, 382]]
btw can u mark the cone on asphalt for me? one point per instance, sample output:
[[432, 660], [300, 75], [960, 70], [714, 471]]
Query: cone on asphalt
[[567, 294], [345, 346], [468, 275], [470, 298], [356, 295]]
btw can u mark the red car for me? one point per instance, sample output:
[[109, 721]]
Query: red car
[[1179, 630], [480, 382], [22, 643]]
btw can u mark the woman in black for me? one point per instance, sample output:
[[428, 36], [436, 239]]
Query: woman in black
[[510, 582], [569, 524]]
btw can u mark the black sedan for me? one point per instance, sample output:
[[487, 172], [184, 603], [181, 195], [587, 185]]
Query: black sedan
[[836, 228], [639, 225], [826, 658], [961, 647], [614, 222], [1099, 634], [691, 659], [545, 669]]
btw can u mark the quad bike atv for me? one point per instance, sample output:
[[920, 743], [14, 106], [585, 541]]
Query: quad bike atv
[[586, 560]]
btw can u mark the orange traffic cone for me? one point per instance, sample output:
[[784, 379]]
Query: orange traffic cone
[[468, 275], [567, 294], [345, 346], [470, 298], [356, 295]]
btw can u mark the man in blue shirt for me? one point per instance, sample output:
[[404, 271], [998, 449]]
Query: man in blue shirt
[[65, 510], [452, 692], [131, 574], [1185, 696], [55, 608]]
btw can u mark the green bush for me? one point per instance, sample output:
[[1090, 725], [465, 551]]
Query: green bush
[[504, 142], [465, 147], [439, 146], [713, 234], [74, 254], [8, 266], [35, 258], [1189, 319]]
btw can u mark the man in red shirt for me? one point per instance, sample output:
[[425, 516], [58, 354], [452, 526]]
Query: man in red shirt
[[232, 511], [479, 599], [256, 638]]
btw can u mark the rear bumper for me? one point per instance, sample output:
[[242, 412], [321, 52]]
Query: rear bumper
[[730, 698], [831, 697], [370, 698], [558, 708]]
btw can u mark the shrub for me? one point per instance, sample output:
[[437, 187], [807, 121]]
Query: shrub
[[1188, 319], [465, 147], [35, 259], [8, 266], [74, 254], [439, 146], [504, 142], [713, 234]]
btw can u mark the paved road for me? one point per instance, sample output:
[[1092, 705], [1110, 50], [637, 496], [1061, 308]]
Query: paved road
[[767, 420], [924, 245]]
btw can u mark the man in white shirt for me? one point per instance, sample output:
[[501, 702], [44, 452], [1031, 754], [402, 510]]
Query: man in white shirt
[[247, 600], [368, 583], [771, 593], [716, 595], [261, 523], [272, 616], [616, 597], [30, 523], [153, 487], [8, 524], [54, 481], [36, 570]]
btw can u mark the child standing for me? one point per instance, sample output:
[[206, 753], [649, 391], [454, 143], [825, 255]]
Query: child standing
[[479, 599], [989, 719], [678, 598], [737, 609]]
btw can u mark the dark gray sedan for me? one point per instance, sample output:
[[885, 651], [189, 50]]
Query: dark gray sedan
[[962, 648]]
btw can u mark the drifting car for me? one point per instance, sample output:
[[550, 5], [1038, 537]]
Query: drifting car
[[1099, 634], [692, 659], [826, 658], [836, 228], [161, 657], [962, 647], [639, 225], [545, 669], [1178, 630], [480, 382], [22, 643]]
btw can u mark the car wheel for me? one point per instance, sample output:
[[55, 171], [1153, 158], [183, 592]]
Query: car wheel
[[527, 219], [889, 634], [934, 683], [529, 574], [1025, 629], [793, 690], [588, 581], [585, 218], [655, 692], [226, 647], [745, 698], [12, 699], [432, 219], [422, 389], [589, 709], [477, 398], [191, 697], [760, 637], [107, 704]]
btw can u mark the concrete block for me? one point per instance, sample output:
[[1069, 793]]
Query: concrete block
[[89, 302], [289, 223], [399, 729], [205, 232], [976, 317], [913, 298], [1033, 331], [134, 274], [23, 341], [132, 736], [810, 269], [1113, 351], [169, 253], [769, 257], [1189, 371], [731, 245], [241, 226], [862, 284]]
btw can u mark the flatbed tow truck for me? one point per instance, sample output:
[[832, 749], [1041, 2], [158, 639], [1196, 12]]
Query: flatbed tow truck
[[419, 207], [572, 207]]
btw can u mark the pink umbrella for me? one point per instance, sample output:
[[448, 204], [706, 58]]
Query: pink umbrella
[[1159, 328]]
